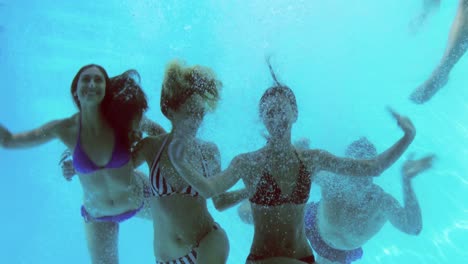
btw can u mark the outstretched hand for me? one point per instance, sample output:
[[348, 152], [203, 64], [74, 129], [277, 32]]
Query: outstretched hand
[[411, 167], [404, 123], [4, 135]]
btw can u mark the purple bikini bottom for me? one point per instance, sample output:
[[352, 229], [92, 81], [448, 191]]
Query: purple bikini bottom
[[111, 218]]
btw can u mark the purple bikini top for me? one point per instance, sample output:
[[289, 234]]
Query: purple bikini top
[[84, 165]]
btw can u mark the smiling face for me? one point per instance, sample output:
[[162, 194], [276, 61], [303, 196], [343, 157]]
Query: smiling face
[[91, 87]]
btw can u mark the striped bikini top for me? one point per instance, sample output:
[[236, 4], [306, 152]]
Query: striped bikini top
[[159, 186]]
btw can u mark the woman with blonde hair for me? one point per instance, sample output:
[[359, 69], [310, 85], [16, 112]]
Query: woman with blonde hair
[[184, 230]]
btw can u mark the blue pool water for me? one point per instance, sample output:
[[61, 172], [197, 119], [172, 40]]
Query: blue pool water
[[345, 60]]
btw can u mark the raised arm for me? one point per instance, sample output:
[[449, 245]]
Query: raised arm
[[34, 137], [207, 187], [455, 49], [407, 218], [322, 160]]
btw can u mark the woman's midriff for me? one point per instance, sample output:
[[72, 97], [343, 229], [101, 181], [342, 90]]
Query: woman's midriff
[[279, 231], [111, 192], [183, 221]]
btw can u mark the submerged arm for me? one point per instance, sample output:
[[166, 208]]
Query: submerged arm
[[458, 37], [140, 151], [456, 47], [345, 166], [229, 199], [207, 187], [408, 218], [151, 128], [31, 138]]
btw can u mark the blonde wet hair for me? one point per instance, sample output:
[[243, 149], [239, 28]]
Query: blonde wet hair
[[181, 82]]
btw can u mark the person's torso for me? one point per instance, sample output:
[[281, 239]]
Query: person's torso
[[349, 218], [278, 189], [180, 214], [107, 190]]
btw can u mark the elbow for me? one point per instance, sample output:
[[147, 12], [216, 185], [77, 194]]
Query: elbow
[[417, 232], [414, 230], [218, 203], [205, 189], [375, 169]]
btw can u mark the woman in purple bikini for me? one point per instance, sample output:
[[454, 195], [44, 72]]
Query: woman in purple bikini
[[100, 136]]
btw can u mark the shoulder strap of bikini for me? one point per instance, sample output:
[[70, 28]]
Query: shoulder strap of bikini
[[158, 156]]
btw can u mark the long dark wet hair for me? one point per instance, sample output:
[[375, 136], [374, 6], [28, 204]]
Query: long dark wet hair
[[128, 101], [124, 100]]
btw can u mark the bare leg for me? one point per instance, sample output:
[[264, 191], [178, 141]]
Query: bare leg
[[214, 248], [103, 242], [456, 47]]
